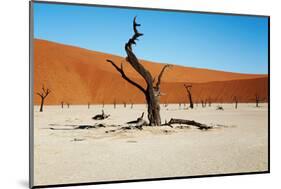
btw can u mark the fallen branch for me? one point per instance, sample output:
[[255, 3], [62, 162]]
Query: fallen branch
[[75, 127], [139, 122], [101, 116], [187, 122], [220, 108]]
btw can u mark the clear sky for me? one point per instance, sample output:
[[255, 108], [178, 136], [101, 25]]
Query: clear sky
[[220, 42]]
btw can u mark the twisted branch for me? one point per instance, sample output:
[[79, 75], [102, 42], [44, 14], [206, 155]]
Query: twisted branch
[[132, 59], [135, 36]]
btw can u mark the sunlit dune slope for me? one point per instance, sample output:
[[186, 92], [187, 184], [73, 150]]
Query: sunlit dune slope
[[78, 76]]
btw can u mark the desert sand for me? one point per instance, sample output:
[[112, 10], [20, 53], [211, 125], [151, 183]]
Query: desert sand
[[237, 144], [78, 76]]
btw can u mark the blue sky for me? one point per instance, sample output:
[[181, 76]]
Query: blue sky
[[219, 42]]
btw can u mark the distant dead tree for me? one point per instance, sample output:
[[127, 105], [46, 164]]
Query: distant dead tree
[[202, 102], [62, 104], [43, 95], [210, 102], [132, 104], [68, 105], [102, 104], [114, 103], [205, 103], [236, 102], [152, 92], [88, 105], [124, 103], [188, 89], [257, 100]]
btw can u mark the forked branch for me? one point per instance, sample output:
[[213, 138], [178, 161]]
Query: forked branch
[[44, 93], [121, 71], [161, 74]]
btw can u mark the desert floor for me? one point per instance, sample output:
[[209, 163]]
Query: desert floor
[[239, 143]]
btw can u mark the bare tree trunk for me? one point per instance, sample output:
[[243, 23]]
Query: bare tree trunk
[[236, 102], [257, 100], [188, 89], [62, 104], [151, 92], [153, 110], [41, 105]]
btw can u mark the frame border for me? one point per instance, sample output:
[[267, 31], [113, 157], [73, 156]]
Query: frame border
[[31, 91], [31, 112]]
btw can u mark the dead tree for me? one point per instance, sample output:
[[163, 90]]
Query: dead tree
[[114, 104], [132, 104], [202, 102], [43, 95], [124, 103], [257, 100], [188, 89], [68, 105], [236, 102], [151, 92], [88, 105], [62, 104]]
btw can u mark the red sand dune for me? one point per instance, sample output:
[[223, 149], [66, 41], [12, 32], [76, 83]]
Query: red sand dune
[[78, 76]]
